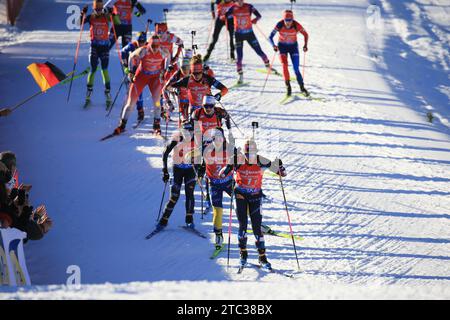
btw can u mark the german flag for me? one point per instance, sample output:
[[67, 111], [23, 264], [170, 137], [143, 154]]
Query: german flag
[[46, 75]]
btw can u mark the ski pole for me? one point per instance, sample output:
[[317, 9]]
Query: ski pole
[[304, 61], [162, 199], [165, 11], [269, 72], [117, 44], [76, 54], [117, 94], [149, 22], [289, 221], [209, 33], [229, 222], [263, 34], [193, 33], [231, 118], [292, 3]]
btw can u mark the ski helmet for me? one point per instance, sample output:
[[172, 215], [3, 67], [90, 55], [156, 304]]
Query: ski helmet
[[288, 15], [154, 41], [141, 37], [209, 100], [161, 27], [250, 146], [185, 60], [97, 5]]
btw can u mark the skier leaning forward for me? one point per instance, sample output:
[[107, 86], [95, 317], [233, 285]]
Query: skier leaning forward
[[150, 60], [248, 193], [182, 144], [99, 21], [217, 155], [288, 28]]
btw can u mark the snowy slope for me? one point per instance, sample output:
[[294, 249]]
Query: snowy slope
[[368, 184]]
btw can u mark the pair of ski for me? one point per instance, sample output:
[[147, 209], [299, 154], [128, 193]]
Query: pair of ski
[[189, 229], [308, 96], [135, 126], [264, 268], [270, 232]]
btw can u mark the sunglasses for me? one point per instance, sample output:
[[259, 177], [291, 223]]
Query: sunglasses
[[197, 73], [288, 20], [208, 106]]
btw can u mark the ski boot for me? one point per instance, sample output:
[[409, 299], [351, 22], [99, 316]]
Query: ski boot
[[232, 57], [140, 115], [243, 257], [156, 127], [219, 239], [206, 57], [263, 260], [304, 91], [161, 224], [88, 97], [240, 78], [189, 221], [121, 127], [108, 99], [288, 88]]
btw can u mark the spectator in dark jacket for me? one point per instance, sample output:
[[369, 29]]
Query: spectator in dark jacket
[[15, 211]]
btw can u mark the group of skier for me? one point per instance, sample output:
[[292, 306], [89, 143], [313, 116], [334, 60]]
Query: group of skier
[[199, 147]]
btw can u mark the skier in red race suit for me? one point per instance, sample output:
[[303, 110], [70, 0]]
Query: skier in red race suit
[[168, 39], [150, 62], [220, 21], [242, 16], [288, 28], [249, 175], [198, 84], [141, 40]]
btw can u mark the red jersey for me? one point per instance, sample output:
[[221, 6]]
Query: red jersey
[[222, 8], [151, 62], [208, 122], [182, 148], [242, 17], [289, 35], [249, 176], [167, 41], [198, 89], [214, 164], [124, 9], [99, 29]]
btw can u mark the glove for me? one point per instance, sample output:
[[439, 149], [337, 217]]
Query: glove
[[255, 20], [213, 14], [84, 10], [305, 48], [282, 171], [275, 48], [131, 77], [126, 70], [138, 14], [218, 96], [107, 10], [166, 175], [201, 171]]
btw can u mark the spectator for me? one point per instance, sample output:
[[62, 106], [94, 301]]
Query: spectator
[[15, 210]]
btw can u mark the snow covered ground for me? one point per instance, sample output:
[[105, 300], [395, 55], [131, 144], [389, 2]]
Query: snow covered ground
[[368, 176]]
